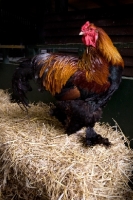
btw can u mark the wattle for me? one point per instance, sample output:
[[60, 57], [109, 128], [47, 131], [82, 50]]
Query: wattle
[[88, 41]]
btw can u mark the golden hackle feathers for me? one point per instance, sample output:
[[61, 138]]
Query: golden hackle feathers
[[58, 70], [96, 68], [107, 49]]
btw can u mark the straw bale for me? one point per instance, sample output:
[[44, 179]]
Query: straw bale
[[39, 161]]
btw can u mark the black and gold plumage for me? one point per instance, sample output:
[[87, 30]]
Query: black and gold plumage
[[82, 87]]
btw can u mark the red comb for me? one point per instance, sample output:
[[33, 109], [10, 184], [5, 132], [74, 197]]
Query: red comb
[[85, 26]]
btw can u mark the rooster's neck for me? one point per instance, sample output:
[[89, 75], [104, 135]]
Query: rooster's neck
[[94, 65], [107, 49], [90, 59]]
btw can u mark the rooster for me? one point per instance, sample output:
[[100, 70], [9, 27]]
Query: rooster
[[81, 86]]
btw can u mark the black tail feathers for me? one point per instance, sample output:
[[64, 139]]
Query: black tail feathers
[[20, 82]]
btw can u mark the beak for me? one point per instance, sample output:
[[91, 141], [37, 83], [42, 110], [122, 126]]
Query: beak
[[81, 33]]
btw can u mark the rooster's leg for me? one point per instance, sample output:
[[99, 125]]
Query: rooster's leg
[[58, 112], [73, 125], [92, 138]]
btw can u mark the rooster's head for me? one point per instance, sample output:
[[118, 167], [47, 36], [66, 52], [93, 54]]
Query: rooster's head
[[89, 34]]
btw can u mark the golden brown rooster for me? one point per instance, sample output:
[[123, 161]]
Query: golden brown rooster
[[81, 87]]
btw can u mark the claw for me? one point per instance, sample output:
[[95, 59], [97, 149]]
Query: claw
[[92, 138]]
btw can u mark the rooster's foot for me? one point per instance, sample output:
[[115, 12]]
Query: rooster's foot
[[92, 138]]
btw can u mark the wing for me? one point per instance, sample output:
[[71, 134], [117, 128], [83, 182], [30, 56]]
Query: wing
[[54, 70], [90, 80], [80, 87]]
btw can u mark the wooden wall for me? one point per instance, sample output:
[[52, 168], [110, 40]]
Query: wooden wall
[[15, 29], [64, 28]]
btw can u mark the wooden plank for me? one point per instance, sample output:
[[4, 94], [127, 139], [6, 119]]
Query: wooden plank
[[122, 38], [114, 22], [126, 51], [76, 39], [128, 61], [78, 23], [12, 47], [95, 13], [121, 31], [128, 71], [79, 45]]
